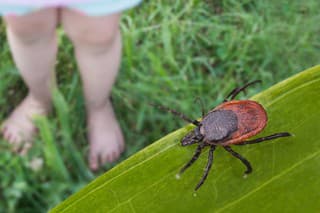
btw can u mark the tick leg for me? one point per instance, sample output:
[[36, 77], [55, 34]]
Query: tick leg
[[194, 157], [269, 137], [208, 167], [243, 160], [237, 90], [179, 114]]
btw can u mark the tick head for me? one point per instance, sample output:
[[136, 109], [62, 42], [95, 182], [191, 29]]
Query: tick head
[[192, 137]]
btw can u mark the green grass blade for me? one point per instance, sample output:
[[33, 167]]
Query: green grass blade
[[52, 156], [74, 154]]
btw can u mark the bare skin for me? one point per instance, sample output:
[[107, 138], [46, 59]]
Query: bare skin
[[97, 43], [103, 125], [19, 129], [34, 55]]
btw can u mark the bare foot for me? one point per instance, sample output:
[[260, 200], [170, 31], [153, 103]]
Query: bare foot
[[19, 128], [105, 137]]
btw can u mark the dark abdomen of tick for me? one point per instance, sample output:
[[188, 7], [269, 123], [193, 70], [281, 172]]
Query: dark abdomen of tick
[[233, 122], [217, 125]]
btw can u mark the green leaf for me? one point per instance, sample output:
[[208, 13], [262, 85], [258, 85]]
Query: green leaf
[[285, 174]]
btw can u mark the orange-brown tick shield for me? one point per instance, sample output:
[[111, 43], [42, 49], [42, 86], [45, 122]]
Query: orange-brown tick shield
[[252, 119]]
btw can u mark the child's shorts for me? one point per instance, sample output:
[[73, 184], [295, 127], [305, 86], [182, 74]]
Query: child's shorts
[[89, 7]]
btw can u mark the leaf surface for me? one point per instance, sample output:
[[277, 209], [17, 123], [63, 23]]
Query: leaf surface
[[285, 174]]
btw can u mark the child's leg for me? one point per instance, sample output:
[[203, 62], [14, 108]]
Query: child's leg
[[33, 44], [97, 44]]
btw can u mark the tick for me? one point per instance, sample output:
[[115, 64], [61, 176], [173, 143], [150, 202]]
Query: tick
[[230, 123]]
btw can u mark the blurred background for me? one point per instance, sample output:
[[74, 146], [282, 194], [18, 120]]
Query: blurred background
[[173, 52]]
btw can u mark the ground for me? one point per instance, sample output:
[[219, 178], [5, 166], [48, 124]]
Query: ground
[[173, 53]]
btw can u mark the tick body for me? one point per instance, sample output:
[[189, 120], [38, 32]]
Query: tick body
[[232, 122]]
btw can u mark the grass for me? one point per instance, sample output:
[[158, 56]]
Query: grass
[[174, 51]]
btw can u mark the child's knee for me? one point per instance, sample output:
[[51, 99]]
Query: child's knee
[[95, 32], [34, 26]]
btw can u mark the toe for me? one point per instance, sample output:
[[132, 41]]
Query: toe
[[17, 144], [115, 155], [122, 147], [9, 137], [109, 157], [104, 158], [25, 149], [93, 161]]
